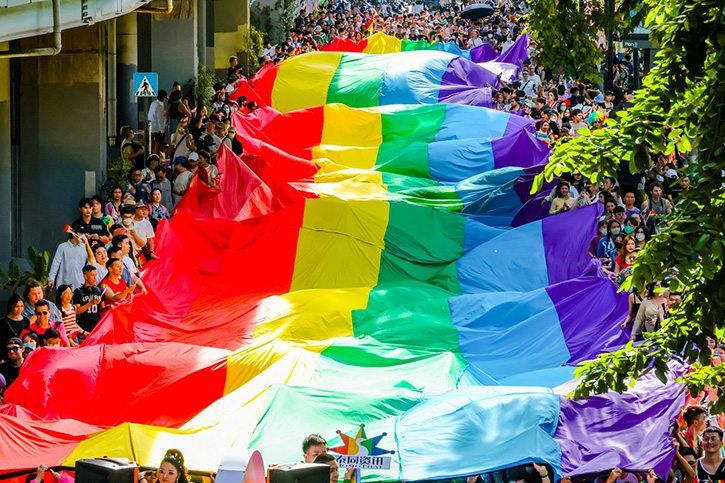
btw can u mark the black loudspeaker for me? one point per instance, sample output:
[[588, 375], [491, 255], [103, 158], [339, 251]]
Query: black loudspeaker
[[106, 470], [300, 473]]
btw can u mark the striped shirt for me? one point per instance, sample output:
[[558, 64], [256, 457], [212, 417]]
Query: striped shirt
[[69, 321]]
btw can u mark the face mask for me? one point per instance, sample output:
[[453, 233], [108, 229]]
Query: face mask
[[639, 236], [628, 229], [615, 231], [603, 231], [29, 345]]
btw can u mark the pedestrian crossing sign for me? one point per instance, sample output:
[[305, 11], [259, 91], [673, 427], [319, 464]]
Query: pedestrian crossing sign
[[145, 84]]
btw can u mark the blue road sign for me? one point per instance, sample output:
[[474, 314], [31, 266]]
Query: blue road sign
[[145, 84]]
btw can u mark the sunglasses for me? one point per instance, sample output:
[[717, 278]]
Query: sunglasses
[[42, 313], [13, 349]]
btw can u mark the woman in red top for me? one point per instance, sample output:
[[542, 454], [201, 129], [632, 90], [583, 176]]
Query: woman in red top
[[625, 259]]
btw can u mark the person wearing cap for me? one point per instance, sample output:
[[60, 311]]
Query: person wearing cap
[[234, 143], [195, 163], [10, 369], [142, 231]]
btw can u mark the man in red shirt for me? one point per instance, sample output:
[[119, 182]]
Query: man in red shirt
[[113, 286]]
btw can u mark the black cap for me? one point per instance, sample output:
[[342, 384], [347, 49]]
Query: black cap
[[14, 340]]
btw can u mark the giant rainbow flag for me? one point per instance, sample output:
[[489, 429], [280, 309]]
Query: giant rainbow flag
[[330, 283]]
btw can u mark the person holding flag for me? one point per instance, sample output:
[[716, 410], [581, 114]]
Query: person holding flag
[[562, 201]]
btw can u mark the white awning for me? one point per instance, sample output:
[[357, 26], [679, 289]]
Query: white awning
[[25, 18]]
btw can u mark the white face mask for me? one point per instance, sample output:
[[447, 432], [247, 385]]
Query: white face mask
[[603, 231], [615, 231], [639, 236]]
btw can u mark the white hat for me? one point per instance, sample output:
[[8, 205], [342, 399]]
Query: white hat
[[193, 156]]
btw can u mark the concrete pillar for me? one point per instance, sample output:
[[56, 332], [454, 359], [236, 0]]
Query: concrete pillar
[[231, 23], [174, 52], [6, 188], [201, 30], [127, 55]]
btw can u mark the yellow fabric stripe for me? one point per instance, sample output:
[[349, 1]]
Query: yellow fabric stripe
[[380, 43], [350, 137], [351, 184], [340, 244], [303, 80]]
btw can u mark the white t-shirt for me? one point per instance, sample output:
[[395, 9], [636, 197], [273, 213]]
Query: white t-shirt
[[144, 229], [181, 183]]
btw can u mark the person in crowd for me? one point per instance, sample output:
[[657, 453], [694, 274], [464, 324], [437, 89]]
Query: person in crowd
[[607, 250], [97, 256], [43, 322], [87, 301], [629, 199], [115, 203], [141, 231], [655, 207], [32, 295], [171, 469], [182, 180], [627, 253], [176, 110], [313, 446], [633, 302], [10, 369], [157, 121], [113, 287], [236, 144], [601, 233], [695, 418], [158, 210], [14, 322], [98, 211], [31, 341], [69, 258], [63, 299], [711, 467], [641, 236], [211, 171], [132, 150], [562, 201], [165, 187], [137, 188], [147, 174], [329, 460], [87, 224], [195, 167], [651, 312], [51, 338]]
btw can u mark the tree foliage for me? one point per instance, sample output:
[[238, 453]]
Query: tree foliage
[[567, 31], [681, 106]]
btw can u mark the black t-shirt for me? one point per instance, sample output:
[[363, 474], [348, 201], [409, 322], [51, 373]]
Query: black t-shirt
[[703, 476], [9, 372], [88, 319], [93, 227], [11, 328]]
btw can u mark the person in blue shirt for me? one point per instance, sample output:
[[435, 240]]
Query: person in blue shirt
[[607, 246]]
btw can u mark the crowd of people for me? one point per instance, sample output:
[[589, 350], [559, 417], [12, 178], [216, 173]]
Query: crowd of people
[[114, 236]]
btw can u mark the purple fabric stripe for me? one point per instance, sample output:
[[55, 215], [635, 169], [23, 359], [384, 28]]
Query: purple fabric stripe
[[605, 309], [532, 210], [483, 53], [628, 431], [520, 149], [518, 53], [522, 185], [464, 82], [566, 238]]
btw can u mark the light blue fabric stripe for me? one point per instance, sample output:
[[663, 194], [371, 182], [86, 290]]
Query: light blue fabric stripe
[[452, 48], [414, 77], [475, 233], [463, 122], [513, 261], [478, 430], [492, 194], [457, 159], [508, 333]]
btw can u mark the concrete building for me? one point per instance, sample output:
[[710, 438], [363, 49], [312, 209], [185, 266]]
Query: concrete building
[[61, 106]]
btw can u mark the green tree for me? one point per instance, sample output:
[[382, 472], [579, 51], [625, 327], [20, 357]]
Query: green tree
[[681, 106]]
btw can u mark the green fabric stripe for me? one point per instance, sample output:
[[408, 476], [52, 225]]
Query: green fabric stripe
[[422, 243], [406, 135], [413, 316], [354, 71], [408, 45], [292, 413]]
